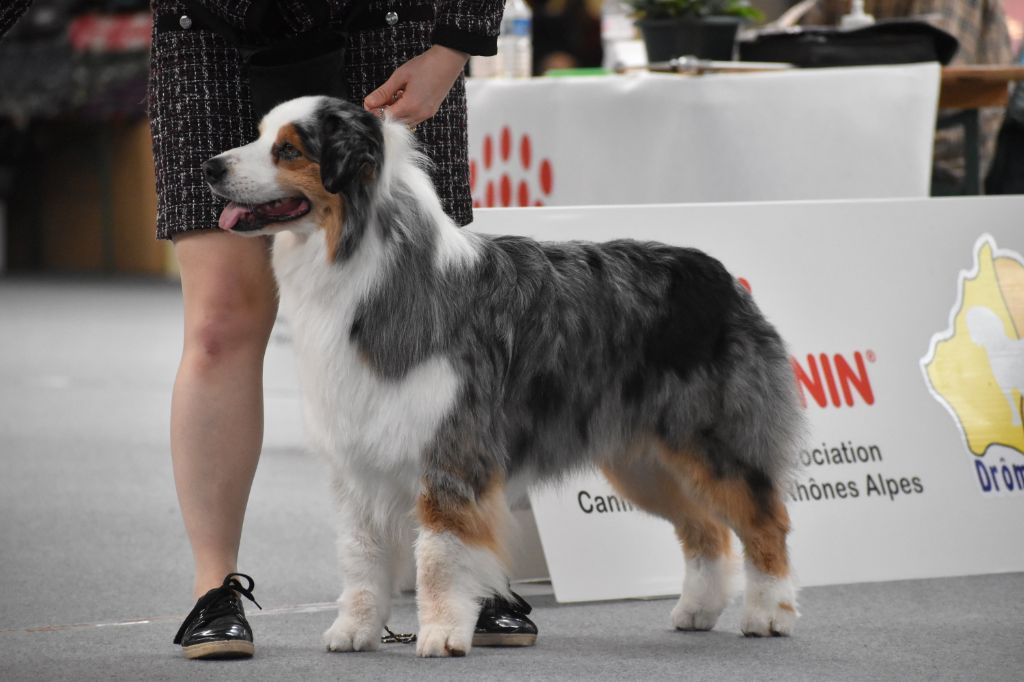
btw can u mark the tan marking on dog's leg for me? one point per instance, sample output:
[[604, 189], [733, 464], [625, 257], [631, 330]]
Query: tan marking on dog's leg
[[761, 521], [480, 524], [655, 489], [762, 525], [459, 560], [706, 542]]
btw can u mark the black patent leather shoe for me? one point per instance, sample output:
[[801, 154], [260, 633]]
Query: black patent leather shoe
[[216, 627], [504, 623]]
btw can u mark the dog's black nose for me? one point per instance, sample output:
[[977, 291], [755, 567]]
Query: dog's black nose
[[214, 169]]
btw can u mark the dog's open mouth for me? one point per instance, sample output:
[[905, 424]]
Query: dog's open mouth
[[245, 218]]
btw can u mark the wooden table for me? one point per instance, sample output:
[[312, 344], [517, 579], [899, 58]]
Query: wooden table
[[975, 87], [968, 89]]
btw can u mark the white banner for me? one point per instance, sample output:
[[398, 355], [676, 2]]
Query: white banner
[[905, 322], [849, 133]]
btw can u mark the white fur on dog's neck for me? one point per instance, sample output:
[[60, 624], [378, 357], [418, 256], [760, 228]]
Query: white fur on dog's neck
[[404, 164], [321, 298]]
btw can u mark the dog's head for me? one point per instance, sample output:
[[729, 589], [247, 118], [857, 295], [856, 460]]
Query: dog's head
[[313, 167]]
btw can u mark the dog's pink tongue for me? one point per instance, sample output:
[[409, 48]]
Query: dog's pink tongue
[[231, 214]]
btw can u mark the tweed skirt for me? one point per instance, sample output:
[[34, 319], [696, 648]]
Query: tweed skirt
[[199, 106]]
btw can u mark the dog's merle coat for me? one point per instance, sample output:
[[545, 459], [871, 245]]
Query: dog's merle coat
[[647, 360]]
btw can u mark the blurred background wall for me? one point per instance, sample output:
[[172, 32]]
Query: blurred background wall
[[77, 173], [76, 176]]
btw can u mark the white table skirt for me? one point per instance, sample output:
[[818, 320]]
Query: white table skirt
[[851, 133]]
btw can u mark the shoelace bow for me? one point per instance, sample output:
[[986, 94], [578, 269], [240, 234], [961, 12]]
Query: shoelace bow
[[521, 604], [516, 604], [219, 601], [231, 583]]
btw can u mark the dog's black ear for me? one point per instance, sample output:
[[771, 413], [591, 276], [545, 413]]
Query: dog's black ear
[[351, 148], [351, 153]]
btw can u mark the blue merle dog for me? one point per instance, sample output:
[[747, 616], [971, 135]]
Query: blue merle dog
[[440, 367]]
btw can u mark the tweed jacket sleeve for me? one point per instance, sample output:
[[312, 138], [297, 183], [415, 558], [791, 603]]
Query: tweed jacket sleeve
[[468, 25], [10, 12]]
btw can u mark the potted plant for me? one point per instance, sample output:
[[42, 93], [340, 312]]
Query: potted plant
[[703, 28]]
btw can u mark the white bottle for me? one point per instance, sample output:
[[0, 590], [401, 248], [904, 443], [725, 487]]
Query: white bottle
[[857, 18], [617, 29], [515, 46]]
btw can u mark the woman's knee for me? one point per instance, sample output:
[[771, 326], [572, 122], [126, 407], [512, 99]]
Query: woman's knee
[[229, 294], [226, 324]]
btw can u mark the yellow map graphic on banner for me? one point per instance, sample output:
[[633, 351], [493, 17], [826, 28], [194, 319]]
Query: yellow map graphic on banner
[[977, 366]]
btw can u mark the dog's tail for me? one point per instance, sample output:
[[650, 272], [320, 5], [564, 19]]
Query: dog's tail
[[761, 423]]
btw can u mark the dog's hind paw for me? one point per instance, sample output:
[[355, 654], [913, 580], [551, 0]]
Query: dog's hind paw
[[770, 608], [707, 590], [774, 622], [347, 635], [689, 617], [435, 641]]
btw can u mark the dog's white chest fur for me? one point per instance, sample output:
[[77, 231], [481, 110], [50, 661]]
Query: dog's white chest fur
[[352, 414]]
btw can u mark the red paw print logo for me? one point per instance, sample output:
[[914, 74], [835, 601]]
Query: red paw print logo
[[509, 175]]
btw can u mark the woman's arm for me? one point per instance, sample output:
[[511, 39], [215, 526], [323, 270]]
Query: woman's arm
[[415, 90]]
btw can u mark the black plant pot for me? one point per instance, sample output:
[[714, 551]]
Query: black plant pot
[[706, 38]]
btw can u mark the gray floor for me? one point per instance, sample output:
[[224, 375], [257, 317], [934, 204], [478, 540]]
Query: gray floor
[[94, 566]]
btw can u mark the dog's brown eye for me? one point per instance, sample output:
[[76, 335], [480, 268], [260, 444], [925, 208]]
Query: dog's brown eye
[[286, 152]]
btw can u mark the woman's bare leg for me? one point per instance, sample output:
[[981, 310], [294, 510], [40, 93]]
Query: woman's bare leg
[[217, 406]]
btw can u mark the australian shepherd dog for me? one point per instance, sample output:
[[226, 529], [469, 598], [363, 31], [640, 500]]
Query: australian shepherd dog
[[439, 368]]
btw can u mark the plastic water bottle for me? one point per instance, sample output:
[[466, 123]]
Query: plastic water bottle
[[857, 18], [616, 29], [515, 46]]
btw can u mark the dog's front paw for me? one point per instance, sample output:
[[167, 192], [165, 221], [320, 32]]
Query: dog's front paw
[[346, 634], [435, 641], [770, 609], [687, 616]]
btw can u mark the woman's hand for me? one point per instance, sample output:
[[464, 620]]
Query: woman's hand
[[416, 89]]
